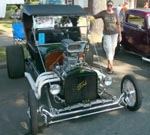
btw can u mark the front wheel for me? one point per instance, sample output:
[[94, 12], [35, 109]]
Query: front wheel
[[132, 93]]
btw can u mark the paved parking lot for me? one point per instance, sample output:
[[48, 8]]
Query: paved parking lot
[[6, 40], [13, 105]]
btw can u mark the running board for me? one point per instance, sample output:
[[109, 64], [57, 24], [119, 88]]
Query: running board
[[143, 58], [146, 59]]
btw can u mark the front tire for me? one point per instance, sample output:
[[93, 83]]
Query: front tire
[[132, 93], [15, 61], [33, 107]]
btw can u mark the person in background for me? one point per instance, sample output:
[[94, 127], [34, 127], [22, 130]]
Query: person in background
[[123, 11], [15, 15], [146, 5], [111, 33], [125, 8], [119, 9]]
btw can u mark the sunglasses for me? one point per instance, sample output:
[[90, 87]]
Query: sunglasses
[[109, 5]]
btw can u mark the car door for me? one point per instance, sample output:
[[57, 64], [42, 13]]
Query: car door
[[135, 34]]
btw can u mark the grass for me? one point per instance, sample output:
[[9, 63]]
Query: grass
[[6, 27], [6, 23], [6, 30], [1, 32], [2, 55]]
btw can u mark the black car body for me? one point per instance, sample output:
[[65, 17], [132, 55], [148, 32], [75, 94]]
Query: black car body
[[63, 85]]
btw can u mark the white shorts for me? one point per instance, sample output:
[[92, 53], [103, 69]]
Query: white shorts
[[109, 44]]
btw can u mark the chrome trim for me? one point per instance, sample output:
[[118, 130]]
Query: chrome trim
[[59, 113], [107, 110], [102, 107], [30, 79], [99, 74], [146, 59], [44, 78], [129, 92], [79, 105]]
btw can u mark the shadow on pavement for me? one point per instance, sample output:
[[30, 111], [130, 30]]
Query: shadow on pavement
[[139, 66]]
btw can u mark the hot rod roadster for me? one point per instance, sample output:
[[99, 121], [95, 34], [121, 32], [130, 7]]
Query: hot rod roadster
[[64, 85]]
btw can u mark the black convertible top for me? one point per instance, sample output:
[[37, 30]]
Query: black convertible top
[[54, 10]]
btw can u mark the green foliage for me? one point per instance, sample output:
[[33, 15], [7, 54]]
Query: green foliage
[[31, 1], [2, 55]]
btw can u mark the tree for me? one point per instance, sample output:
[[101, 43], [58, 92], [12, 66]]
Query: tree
[[97, 6], [30, 1]]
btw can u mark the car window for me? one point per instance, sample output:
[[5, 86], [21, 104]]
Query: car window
[[136, 20], [148, 20]]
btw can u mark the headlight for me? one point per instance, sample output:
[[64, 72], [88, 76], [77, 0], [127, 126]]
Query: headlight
[[55, 89], [108, 80]]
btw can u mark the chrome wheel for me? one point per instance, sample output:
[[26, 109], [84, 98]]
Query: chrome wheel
[[132, 93]]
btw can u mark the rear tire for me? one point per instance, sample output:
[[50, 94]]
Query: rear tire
[[33, 106], [15, 61], [132, 93]]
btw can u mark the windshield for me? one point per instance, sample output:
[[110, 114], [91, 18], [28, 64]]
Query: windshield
[[59, 21], [53, 29]]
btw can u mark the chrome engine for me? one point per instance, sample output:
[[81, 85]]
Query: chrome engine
[[73, 53]]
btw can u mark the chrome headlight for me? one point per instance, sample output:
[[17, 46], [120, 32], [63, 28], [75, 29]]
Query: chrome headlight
[[55, 89], [108, 80]]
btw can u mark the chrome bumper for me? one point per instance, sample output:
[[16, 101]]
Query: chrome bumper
[[51, 117]]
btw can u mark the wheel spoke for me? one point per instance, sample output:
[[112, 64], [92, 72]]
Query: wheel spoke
[[132, 98], [130, 94]]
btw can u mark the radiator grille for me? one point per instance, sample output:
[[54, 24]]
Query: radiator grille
[[81, 88]]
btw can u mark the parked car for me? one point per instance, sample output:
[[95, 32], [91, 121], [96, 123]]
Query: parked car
[[63, 85], [136, 32]]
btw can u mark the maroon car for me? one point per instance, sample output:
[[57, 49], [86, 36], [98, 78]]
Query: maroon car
[[136, 32]]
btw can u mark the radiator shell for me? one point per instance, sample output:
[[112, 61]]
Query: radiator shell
[[80, 86]]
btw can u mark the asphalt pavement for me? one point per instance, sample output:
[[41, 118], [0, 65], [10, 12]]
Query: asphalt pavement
[[13, 105], [6, 40]]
